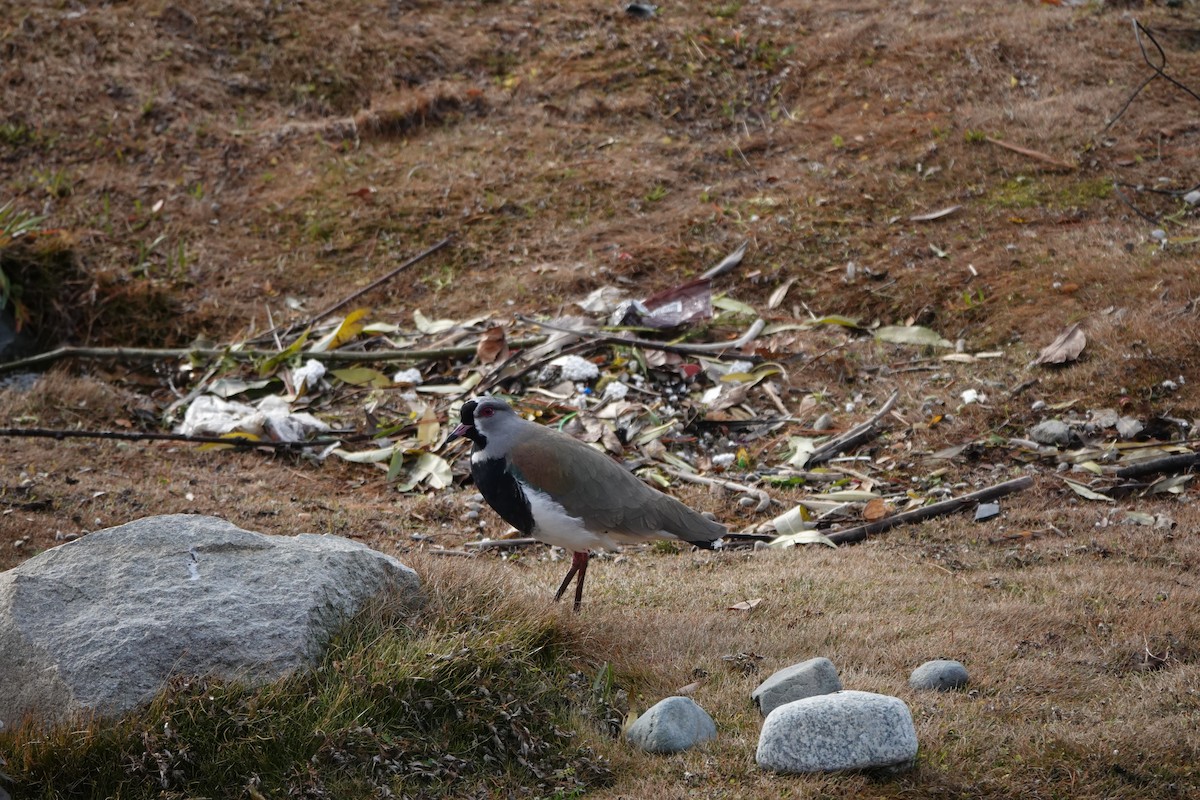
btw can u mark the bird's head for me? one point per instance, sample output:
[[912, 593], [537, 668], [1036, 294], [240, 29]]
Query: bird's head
[[479, 418]]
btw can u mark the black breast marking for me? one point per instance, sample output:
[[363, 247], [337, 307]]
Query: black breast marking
[[502, 492]]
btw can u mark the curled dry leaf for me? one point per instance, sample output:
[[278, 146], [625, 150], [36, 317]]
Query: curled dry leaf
[[875, 509], [745, 605], [493, 346], [1066, 347]]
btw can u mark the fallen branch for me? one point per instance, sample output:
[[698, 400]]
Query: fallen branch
[[1034, 154], [498, 544], [861, 532], [764, 499], [137, 436], [357, 294], [853, 437], [713, 350], [1179, 463], [136, 354]]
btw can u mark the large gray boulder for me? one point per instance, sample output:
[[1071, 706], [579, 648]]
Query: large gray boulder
[[672, 725], [840, 731], [806, 679], [100, 624]]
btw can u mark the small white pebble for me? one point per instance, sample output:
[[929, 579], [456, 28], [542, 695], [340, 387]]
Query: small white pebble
[[724, 459], [411, 377]]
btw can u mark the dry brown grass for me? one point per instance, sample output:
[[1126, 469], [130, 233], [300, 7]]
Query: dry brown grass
[[567, 146]]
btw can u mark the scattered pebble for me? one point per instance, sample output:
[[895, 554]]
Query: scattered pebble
[[672, 725], [408, 377], [941, 675], [1051, 431]]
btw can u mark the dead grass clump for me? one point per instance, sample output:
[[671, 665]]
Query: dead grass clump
[[393, 116], [58, 399]]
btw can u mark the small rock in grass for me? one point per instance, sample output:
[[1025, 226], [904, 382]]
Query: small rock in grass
[[841, 731], [1052, 431], [671, 725], [942, 675], [806, 679]]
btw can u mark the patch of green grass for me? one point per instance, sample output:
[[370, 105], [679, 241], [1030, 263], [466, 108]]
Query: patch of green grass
[[471, 696], [1026, 192]]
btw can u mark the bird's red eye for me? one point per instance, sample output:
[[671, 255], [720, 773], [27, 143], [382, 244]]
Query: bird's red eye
[[486, 412]]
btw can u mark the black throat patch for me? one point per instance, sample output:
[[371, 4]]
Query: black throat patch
[[502, 492]]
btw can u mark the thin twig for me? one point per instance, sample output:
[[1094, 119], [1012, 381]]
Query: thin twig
[[764, 499], [861, 532], [359, 293], [713, 350], [135, 436], [166, 354], [854, 436], [1025, 151], [497, 544]]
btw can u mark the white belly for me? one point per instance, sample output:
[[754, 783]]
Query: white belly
[[553, 525]]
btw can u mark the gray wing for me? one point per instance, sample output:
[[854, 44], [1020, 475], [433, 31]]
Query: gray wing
[[595, 488]]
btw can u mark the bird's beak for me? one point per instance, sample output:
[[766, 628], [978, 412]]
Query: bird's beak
[[458, 433]]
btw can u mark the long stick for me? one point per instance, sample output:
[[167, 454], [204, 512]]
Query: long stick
[[164, 354], [136, 436], [713, 350], [355, 295], [859, 433], [1177, 463], [861, 532]]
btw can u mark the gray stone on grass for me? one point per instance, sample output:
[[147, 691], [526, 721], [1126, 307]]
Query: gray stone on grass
[[806, 679], [1051, 431], [100, 624], [841, 731], [941, 674], [672, 725]]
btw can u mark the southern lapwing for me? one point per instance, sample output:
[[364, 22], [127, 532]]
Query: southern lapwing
[[560, 491]]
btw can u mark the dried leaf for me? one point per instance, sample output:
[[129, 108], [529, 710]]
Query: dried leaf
[[1087, 493], [802, 537], [836, 319], [428, 326], [728, 263], [362, 376], [745, 605], [346, 330], [226, 388], [876, 509], [778, 296], [431, 469], [1066, 347], [428, 428], [493, 346], [1174, 484], [365, 456], [726, 303], [910, 334], [932, 215]]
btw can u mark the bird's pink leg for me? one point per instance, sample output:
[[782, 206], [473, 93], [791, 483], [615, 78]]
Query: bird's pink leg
[[579, 564]]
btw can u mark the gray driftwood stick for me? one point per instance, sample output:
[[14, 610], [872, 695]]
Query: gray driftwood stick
[[137, 354], [861, 532]]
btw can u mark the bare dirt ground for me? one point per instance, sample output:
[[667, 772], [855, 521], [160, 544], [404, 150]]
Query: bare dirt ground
[[208, 171]]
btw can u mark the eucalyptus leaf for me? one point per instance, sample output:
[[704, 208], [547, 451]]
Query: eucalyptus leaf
[[1086, 493], [430, 469], [362, 376], [911, 334]]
